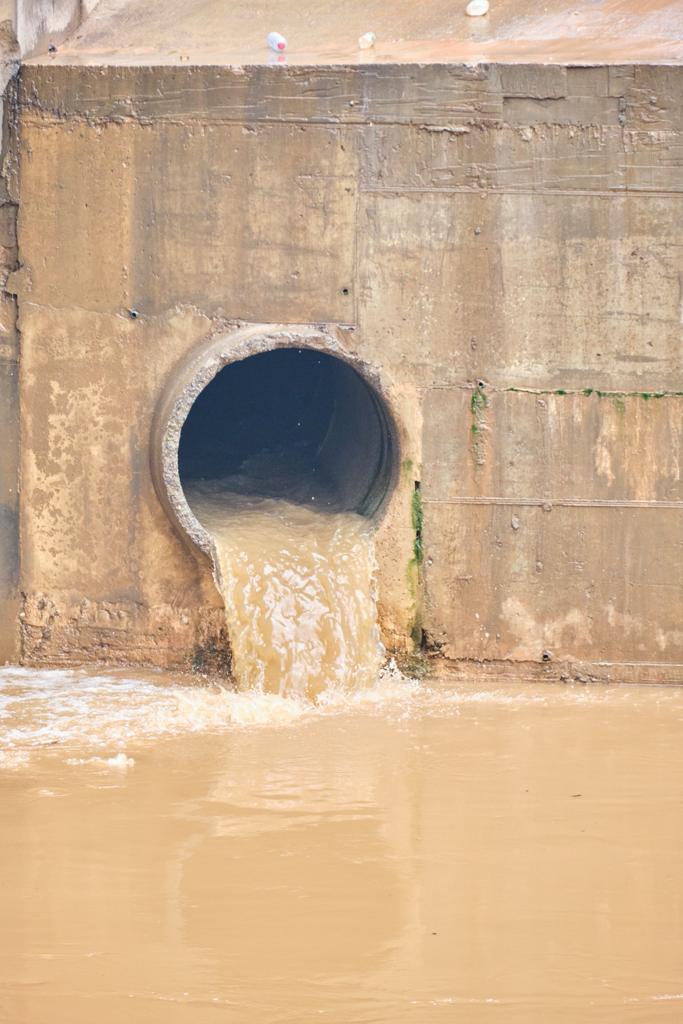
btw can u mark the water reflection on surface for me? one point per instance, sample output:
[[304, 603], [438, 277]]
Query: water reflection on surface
[[440, 853]]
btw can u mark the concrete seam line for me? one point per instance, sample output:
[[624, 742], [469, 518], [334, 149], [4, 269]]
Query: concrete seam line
[[634, 664], [558, 502], [619, 193]]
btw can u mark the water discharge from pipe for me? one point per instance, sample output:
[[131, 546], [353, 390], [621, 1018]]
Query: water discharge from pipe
[[298, 585]]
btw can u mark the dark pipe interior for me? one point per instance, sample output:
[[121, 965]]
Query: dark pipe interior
[[293, 423]]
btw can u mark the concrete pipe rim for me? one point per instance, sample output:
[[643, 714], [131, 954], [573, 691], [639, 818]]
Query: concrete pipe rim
[[207, 359]]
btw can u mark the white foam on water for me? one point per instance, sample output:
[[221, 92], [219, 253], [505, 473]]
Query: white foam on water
[[391, 687], [60, 707], [120, 760], [10, 759], [59, 710], [91, 718]]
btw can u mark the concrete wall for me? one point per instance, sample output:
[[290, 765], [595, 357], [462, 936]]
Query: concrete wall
[[9, 504], [511, 225], [9, 361]]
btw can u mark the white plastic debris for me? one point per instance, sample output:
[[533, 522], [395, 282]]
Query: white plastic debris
[[367, 41], [276, 42], [477, 8]]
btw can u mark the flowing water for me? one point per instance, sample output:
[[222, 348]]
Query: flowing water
[[441, 852], [297, 582], [333, 841]]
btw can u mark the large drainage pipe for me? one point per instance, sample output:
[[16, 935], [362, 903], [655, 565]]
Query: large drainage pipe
[[282, 394]]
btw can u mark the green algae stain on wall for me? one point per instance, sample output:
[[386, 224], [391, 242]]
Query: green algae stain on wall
[[478, 405], [414, 573]]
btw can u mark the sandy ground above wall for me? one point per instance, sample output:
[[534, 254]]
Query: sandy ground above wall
[[320, 32]]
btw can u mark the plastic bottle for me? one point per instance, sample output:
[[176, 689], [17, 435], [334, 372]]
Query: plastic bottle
[[276, 42]]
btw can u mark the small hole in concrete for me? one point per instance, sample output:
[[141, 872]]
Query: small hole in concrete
[[295, 423]]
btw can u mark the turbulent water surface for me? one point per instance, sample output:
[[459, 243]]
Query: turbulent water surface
[[399, 852], [332, 841], [298, 586]]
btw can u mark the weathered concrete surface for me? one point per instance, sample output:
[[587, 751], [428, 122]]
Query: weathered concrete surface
[[518, 226], [9, 362], [106, 576], [254, 241], [9, 511], [9, 435], [562, 518]]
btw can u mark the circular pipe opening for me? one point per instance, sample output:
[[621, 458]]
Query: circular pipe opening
[[274, 413], [292, 423]]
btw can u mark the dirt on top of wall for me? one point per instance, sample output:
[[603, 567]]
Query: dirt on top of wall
[[321, 32]]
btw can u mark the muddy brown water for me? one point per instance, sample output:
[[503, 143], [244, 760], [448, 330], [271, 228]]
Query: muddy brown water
[[334, 841], [432, 852], [299, 592]]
